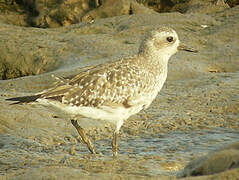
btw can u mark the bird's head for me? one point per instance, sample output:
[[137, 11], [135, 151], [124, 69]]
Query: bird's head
[[163, 42]]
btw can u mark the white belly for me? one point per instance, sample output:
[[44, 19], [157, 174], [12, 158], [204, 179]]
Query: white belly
[[106, 113]]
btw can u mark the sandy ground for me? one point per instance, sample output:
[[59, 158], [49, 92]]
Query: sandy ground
[[196, 112]]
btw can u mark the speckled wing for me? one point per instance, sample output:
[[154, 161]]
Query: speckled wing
[[114, 83]]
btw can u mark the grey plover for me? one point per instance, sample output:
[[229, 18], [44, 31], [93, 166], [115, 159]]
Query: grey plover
[[114, 91]]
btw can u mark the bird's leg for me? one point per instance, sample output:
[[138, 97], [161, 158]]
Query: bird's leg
[[115, 137], [115, 143], [83, 136]]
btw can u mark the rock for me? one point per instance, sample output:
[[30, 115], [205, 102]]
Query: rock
[[197, 6], [23, 52], [55, 14], [63, 13], [206, 6], [232, 3], [12, 13], [218, 161], [111, 8]]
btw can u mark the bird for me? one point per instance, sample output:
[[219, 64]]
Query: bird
[[114, 91]]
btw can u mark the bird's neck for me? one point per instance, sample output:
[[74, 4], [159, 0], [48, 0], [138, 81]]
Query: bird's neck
[[156, 62]]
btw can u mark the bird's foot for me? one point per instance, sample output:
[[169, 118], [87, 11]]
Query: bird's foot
[[82, 133]]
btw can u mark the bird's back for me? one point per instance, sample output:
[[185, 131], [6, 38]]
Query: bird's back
[[113, 83]]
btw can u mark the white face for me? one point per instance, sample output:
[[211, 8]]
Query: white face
[[162, 43], [165, 42]]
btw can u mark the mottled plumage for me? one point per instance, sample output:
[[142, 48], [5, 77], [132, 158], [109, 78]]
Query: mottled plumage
[[117, 82], [115, 91]]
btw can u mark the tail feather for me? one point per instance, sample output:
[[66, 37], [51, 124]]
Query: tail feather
[[24, 99]]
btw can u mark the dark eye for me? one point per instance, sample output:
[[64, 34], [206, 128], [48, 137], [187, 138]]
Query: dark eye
[[170, 39]]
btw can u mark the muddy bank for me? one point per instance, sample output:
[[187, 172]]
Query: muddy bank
[[188, 119]]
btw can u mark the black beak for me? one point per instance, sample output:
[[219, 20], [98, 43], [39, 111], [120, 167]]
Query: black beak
[[183, 47]]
